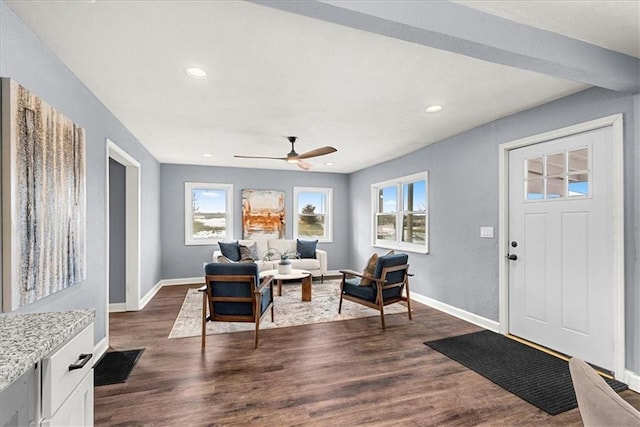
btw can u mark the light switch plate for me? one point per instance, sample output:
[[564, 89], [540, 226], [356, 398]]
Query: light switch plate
[[486, 232]]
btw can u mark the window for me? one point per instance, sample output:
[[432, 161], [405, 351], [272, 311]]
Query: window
[[400, 213], [558, 176], [208, 213], [313, 210]]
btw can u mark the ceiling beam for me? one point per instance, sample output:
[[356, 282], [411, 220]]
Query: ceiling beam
[[466, 31]]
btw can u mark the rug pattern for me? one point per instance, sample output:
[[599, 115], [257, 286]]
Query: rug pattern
[[289, 311]]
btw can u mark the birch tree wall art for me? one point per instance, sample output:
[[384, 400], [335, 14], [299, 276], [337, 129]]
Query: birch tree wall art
[[43, 198]]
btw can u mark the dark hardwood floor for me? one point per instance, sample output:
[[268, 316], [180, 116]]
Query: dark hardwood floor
[[331, 374]]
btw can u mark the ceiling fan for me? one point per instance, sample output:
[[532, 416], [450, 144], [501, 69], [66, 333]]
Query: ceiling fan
[[295, 158]]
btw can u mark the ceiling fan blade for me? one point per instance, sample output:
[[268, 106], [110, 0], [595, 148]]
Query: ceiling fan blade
[[304, 165], [260, 157], [317, 152]]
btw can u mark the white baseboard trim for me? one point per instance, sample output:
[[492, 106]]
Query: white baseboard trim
[[117, 307], [169, 282], [184, 281], [632, 380], [100, 349], [456, 312]]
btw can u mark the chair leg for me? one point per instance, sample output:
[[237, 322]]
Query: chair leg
[[322, 278], [380, 300], [408, 299], [272, 311], [204, 318], [341, 290], [255, 334]]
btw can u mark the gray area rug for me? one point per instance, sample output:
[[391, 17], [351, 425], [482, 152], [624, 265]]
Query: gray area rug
[[289, 311]]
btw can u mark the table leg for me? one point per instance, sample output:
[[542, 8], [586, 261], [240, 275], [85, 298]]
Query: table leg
[[306, 288], [279, 287]]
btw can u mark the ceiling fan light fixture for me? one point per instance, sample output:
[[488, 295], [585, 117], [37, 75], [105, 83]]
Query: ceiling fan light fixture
[[292, 161], [196, 73], [433, 109]]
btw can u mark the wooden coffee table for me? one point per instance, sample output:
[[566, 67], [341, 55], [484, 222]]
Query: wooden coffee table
[[303, 275]]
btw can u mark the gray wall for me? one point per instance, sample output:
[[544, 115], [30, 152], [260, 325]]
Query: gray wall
[[180, 261], [24, 58], [461, 269], [117, 230]]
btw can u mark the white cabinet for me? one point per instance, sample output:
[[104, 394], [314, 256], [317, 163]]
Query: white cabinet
[[18, 401], [67, 382]]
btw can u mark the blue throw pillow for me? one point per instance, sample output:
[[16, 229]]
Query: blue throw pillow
[[230, 250], [307, 248]]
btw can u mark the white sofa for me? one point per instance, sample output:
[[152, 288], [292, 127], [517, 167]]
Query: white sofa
[[316, 266]]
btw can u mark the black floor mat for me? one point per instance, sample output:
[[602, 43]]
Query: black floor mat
[[533, 375], [115, 366]]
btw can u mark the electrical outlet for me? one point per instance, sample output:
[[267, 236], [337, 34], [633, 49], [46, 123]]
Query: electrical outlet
[[486, 232]]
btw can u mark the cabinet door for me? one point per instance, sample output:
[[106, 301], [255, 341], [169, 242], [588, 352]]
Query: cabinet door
[[77, 410], [18, 401]]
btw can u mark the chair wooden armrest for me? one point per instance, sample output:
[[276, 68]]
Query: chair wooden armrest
[[266, 280], [356, 274]]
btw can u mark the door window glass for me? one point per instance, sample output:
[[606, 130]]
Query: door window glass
[[557, 176]]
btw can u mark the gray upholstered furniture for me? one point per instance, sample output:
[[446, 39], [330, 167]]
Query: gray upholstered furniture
[[389, 281], [599, 405], [317, 265], [234, 293]]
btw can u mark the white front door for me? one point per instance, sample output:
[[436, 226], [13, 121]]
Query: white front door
[[561, 230]]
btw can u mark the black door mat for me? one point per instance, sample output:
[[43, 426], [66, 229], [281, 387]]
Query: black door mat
[[533, 375], [115, 366]]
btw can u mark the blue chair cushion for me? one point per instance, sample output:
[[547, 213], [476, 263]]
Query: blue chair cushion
[[306, 248], [230, 250], [352, 287], [237, 289]]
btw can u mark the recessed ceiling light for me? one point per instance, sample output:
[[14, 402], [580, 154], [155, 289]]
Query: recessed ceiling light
[[207, 155], [196, 72], [433, 108]]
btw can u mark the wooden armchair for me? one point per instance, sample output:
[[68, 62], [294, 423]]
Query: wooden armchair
[[389, 280], [234, 293]]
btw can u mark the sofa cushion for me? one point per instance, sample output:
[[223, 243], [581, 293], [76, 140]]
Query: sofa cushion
[[230, 250], [306, 248], [305, 264], [249, 252], [282, 246]]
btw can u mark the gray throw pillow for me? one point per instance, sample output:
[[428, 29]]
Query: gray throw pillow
[[249, 252]]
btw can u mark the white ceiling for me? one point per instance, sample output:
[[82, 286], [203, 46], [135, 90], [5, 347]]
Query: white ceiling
[[274, 74]]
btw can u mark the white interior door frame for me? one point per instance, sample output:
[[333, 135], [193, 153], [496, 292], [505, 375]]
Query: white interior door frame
[[615, 121], [132, 224]]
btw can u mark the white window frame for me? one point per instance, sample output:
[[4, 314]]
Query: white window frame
[[188, 212], [398, 244], [328, 220]]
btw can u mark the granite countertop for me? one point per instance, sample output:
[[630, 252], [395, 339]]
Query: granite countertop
[[26, 338]]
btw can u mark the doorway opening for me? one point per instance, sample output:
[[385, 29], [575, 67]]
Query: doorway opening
[[131, 242]]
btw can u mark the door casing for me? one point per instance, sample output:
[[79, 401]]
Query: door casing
[[615, 121]]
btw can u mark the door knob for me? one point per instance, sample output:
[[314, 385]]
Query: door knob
[[513, 257]]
